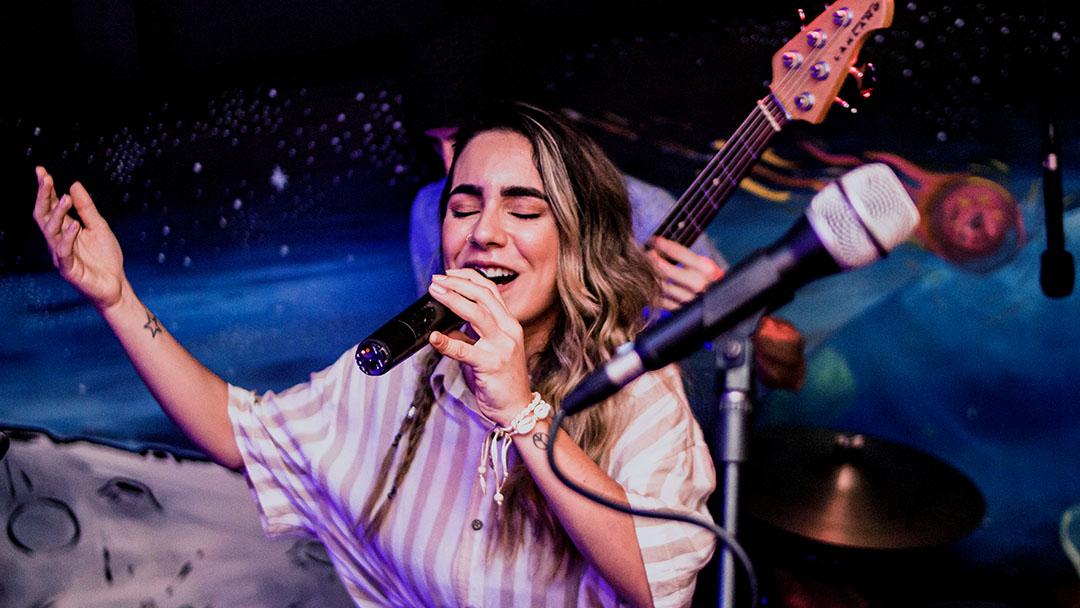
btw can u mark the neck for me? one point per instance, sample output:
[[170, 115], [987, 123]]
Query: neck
[[536, 337]]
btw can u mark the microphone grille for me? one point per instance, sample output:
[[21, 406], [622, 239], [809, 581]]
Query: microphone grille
[[863, 215]]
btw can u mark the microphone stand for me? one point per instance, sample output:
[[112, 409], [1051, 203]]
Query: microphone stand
[[734, 356]]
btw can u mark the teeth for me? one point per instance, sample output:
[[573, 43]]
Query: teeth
[[498, 275], [494, 273]]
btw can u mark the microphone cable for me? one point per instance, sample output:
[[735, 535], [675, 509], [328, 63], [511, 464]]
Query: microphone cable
[[721, 534]]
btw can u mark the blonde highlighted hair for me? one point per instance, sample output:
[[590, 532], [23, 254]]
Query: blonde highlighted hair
[[605, 284]]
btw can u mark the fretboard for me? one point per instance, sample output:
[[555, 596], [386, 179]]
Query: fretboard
[[716, 183]]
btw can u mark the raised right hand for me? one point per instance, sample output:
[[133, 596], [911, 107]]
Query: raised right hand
[[87, 254]]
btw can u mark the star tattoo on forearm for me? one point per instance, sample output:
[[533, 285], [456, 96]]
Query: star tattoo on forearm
[[152, 324]]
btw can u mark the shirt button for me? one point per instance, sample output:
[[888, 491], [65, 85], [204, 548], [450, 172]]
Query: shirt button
[[477, 524]]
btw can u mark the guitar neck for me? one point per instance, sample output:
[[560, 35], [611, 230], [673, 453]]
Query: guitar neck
[[718, 181]]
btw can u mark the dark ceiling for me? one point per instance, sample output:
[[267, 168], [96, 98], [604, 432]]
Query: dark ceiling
[[954, 73], [965, 53]]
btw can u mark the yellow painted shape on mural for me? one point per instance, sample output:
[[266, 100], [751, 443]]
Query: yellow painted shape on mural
[[757, 189], [767, 156]]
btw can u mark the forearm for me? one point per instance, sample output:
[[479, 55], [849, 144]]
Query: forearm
[[193, 396], [605, 537]]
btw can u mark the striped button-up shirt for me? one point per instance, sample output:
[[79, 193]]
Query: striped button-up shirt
[[311, 455]]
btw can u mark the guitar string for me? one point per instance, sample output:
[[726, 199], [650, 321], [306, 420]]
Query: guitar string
[[692, 202], [701, 214], [684, 226], [684, 230], [707, 203], [719, 178]]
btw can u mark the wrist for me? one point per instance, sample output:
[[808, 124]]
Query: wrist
[[505, 417], [497, 443], [124, 300], [522, 424]]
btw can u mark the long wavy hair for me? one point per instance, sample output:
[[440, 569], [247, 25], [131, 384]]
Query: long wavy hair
[[604, 283]]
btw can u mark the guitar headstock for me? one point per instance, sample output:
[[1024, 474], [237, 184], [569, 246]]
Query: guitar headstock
[[810, 69]]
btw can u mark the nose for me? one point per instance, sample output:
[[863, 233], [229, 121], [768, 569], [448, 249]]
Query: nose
[[488, 230]]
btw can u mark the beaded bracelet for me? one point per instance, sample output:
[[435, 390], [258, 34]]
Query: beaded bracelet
[[497, 443]]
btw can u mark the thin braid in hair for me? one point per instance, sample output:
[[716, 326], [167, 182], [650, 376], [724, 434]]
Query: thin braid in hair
[[412, 428]]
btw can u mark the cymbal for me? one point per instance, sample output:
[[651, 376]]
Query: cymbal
[[857, 491]]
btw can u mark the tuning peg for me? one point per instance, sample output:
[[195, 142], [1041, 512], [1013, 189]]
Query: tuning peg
[[846, 105], [843, 17], [862, 74]]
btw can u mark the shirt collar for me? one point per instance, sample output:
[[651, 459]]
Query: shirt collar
[[450, 388]]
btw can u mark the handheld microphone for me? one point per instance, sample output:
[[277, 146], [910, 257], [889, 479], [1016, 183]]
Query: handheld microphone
[[403, 335], [852, 222]]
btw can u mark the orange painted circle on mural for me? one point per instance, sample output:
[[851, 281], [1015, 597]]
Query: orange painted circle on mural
[[968, 219]]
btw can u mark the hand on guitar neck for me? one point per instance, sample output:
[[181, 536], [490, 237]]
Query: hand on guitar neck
[[779, 348]]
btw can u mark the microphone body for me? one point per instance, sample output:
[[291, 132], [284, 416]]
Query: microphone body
[[765, 279], [850, 223], [403, 335]]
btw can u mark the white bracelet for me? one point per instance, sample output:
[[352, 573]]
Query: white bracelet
[[497, 443]]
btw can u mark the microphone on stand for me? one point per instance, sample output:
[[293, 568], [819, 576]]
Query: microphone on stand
[[852, 222], [1057, 272]]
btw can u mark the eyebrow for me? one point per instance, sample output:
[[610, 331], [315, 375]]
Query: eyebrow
[[523, 191], [466, 189], [509, 191]]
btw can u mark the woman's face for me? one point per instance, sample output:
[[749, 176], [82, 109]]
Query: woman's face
[[499, 222]]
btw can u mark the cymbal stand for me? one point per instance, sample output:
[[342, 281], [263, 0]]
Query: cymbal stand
[[734, 356]]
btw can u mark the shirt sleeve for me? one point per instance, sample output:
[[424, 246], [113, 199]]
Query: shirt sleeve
[[270, 430], [663, 462]]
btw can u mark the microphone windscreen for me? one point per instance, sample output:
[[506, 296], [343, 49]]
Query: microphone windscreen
[[863, 215]]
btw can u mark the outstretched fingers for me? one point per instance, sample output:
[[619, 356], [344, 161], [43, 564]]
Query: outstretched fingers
[[46, 198], [63, 254], [57, 222], [85, 206]]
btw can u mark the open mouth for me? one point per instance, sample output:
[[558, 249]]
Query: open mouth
[[499, 276]]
